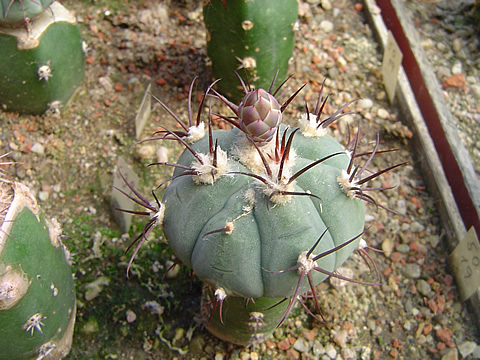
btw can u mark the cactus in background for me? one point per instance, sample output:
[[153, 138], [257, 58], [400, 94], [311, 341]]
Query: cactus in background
[[17, 12], [262, 213], [42, 62], [37, 294], [255, 35]]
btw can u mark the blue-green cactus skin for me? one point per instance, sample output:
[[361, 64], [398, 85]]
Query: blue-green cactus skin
[[18, 11], [268, 238]]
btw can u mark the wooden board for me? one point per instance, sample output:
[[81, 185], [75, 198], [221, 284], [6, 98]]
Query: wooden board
[[454, 183]]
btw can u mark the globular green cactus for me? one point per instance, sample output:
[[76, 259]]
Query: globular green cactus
[[261, 216], [19, 11], [37, 295], [255, 35], [42, 62]]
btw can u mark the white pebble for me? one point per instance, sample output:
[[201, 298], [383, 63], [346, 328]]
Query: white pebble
[[466, 348], [382, 113], [301, 345], [331, 351], [457, 68], [326, 26], [326, 5], [106, 83], [38, 148], [365, 103], [162, 154], [43, 195], [131, 316], [340, 337], [146, 152], [387, 246], [339, 283]]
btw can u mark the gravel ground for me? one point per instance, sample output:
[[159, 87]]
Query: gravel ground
[[448, 38], [68, 159]]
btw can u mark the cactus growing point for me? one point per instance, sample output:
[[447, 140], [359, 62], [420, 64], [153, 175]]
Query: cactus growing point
[[262, 220]]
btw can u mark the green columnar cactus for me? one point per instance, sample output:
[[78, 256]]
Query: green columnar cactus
[[255, 35], [37, 295], [42, 62], [262, 213]]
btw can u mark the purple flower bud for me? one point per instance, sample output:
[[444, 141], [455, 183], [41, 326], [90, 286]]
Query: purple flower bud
[[259, 116]]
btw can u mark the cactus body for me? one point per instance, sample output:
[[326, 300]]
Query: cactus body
[[242, 322], [255, 35], [37, 295], [40, 68], [264, 239], [261, 219], [17, 11]]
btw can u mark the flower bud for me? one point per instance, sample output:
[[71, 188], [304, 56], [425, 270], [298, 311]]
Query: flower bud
[[259, 116]]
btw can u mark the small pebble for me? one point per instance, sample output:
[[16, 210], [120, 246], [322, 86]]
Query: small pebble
[[476, 90], [154, 307], [93, 289], [146, 152], [172, 271], [43, 195], [339, 283], [301, 345], [381, 95], [162, 154], [382, 113], [434, 240], [318, 348], [254, 355], [457, 45], [424, 288], [412, 271], [366, 353], [466, 348], [408, 325], [403, 248], [326, 5], [452, 354], [340, 337], [387, 246], [427, 44], [416, 227], [131, 316], [348, 353], [38, 148], [401, 207], [326, 26], [365, 103], [331, 351], [106, 83], [457, 68]]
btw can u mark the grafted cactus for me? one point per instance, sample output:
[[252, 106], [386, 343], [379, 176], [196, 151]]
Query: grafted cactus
[[42, 62], [254, 35], [262, 220], [37, 295]]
